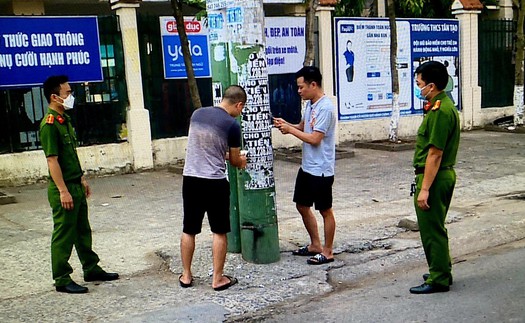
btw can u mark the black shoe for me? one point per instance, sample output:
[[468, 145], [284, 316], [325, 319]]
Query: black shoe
[[429, 289], [450, 281], [103, 276], [72, 288]]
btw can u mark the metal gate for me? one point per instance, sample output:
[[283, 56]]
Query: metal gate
[[168, 100], [496, 62]]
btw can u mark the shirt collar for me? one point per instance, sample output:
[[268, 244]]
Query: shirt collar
[[313, 105], [440, 96], [56, 113]]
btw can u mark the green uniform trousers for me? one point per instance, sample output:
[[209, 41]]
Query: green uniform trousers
[[432, 226], [71, 228]]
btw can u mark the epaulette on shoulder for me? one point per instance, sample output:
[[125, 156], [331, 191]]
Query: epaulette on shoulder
[[427, 106], [436, 105], [50, 119]]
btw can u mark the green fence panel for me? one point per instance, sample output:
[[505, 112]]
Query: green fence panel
[[496, 62]]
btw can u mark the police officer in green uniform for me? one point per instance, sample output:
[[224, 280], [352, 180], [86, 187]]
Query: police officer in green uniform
[[434, 158], [67, 192]]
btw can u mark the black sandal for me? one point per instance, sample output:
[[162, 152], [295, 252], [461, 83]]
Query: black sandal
[[232, 282], [319, 259], [184, 285], [304, 252]]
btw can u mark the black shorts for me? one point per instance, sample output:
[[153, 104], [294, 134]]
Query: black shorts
[[202, 195], [310, 189]]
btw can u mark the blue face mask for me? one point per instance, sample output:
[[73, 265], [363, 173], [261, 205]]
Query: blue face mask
[[418, 94]]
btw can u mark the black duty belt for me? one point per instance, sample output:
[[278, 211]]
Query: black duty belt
[[421, 170], [77, 180]]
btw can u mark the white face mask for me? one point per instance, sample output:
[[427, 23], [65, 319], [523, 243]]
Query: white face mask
[[68, 102]]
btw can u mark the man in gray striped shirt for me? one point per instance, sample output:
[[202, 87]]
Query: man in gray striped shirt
[[214, 135]]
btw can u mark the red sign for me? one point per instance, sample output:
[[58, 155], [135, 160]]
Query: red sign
[[190, 26]]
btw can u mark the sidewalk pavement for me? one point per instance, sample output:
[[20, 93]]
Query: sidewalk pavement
[[137, 220]]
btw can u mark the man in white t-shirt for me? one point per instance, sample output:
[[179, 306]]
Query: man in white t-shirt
[[314, 181]]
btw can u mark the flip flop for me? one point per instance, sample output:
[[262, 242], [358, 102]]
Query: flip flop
[[304, 252], [184, 285], [232, 282], [319, 259]]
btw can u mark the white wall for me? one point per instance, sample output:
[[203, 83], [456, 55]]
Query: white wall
[[106, 159], [30, 167], [377, 129], [169, 151], [22, 168], [490, 114]]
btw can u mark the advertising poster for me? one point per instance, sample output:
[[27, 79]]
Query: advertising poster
[[33, 48], [285, 44], [364, 88], [174, 67], [437, 40], [285, 50]]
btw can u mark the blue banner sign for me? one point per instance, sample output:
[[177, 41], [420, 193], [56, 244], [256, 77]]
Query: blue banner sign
[[364, 81], [174, 67], [33, 48]]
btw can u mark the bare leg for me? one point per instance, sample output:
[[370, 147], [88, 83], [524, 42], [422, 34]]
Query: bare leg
[[329, 232], [187, 247], [220, 244], [310, 224]]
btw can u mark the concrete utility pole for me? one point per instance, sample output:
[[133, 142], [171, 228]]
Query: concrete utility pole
[[238, 57]]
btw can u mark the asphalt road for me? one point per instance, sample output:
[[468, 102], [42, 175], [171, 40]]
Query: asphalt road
[[488, 287]]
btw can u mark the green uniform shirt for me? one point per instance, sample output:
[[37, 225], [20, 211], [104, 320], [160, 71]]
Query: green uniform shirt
[[440, 128], [58, 138]]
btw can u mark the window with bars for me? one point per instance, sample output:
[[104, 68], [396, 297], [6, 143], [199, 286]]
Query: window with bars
[[99, 113]]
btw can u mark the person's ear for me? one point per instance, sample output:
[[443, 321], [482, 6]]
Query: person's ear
[[55, 97]]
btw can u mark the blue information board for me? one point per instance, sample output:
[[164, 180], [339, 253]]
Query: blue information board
[[34, 48], [174, 61], [174, 67], [364, 81]]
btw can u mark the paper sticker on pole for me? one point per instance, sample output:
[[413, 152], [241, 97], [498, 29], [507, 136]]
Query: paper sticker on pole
[[256, 123], [218, 4], [217, 93]]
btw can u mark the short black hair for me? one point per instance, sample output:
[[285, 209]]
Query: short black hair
[[433, 72], [310, 74], [52, 85], [235, 94]]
